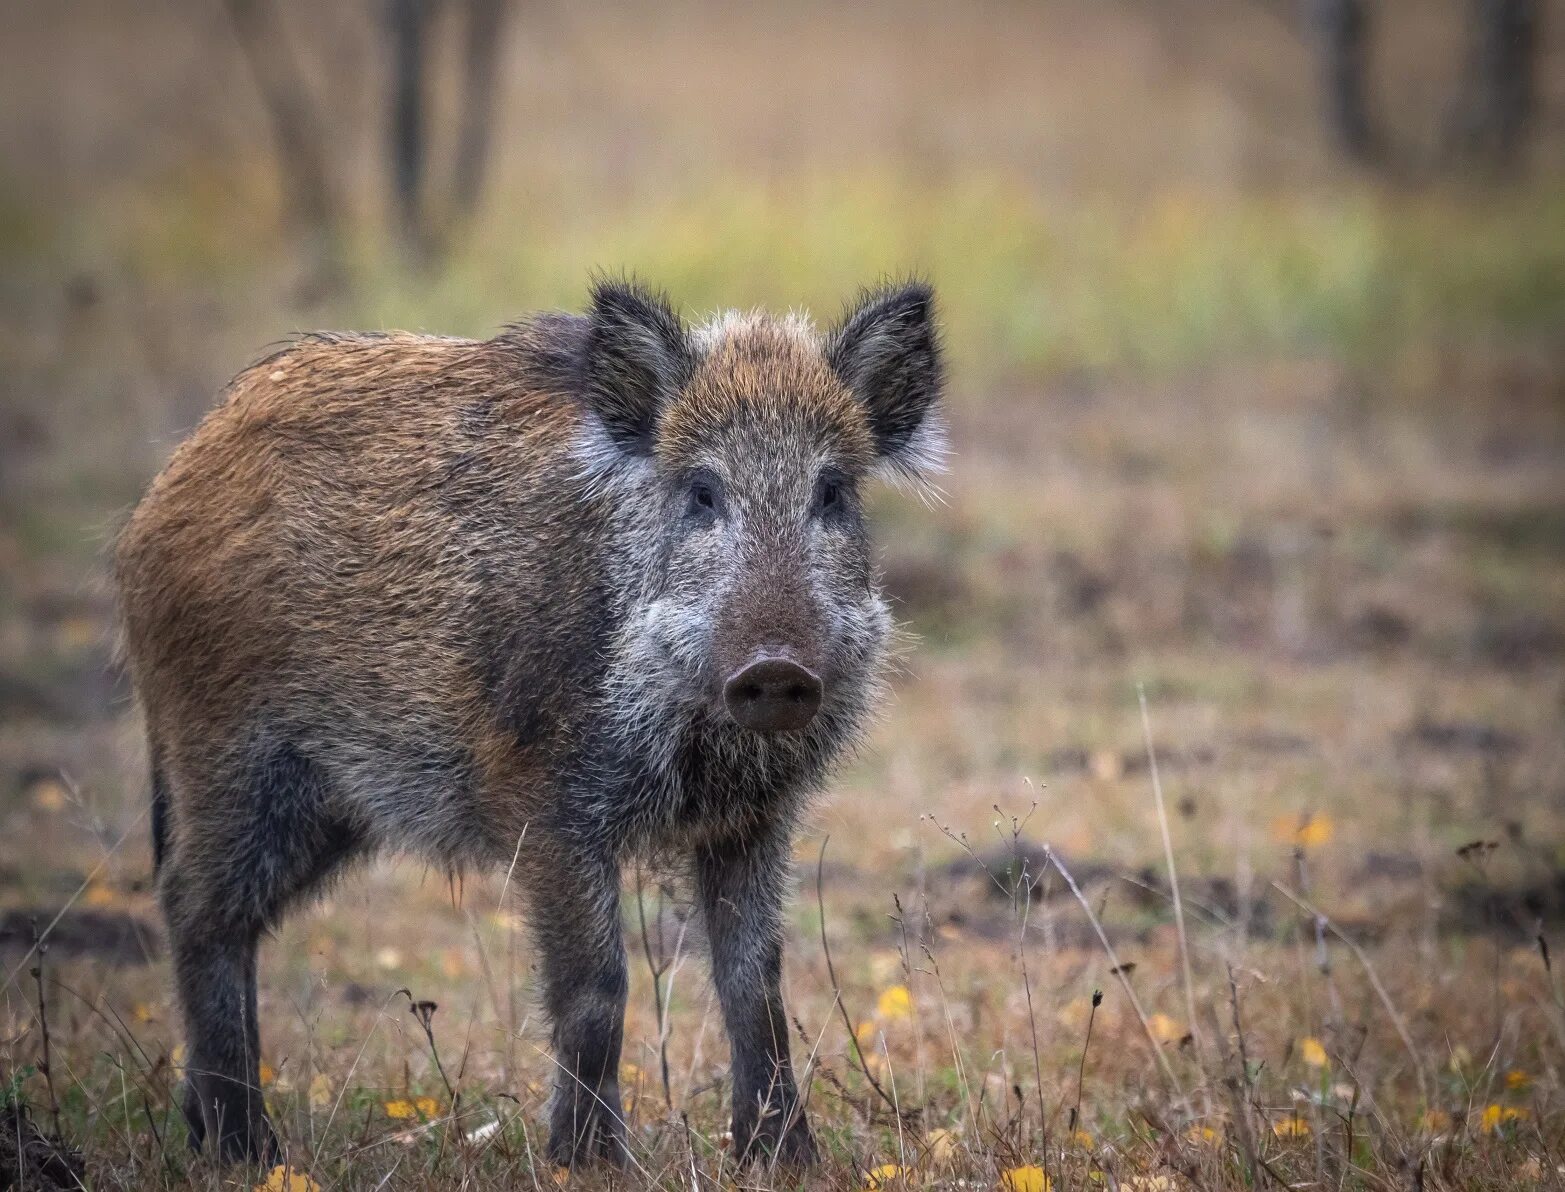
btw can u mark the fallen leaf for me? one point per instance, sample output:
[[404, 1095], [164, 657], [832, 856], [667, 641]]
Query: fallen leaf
[[880, 1176], [895, 1003], [942, 1145], [1496, 1116], [1030, 1178], [47, 794], [1164, 1029], [423, 1107], [284, 1179], [321, 1092], [1517, 1079], [1291, 1127], [1312, 1053]]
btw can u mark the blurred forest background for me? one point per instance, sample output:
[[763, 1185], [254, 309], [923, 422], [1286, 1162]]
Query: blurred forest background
[[1256, 315]]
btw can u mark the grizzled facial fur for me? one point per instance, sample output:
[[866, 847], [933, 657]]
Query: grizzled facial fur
[[741, 449]]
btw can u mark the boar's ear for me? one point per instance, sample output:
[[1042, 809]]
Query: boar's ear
[[887, 351], [638, 356]]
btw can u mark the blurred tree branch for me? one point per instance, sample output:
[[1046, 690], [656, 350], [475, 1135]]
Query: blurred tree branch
[[427, 235], [1341, 30], [301, 147], [1499, 99]]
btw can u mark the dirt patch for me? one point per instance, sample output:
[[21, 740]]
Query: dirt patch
[[110, 936], [29, 1158]]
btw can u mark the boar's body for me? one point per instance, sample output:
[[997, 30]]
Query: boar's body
[[549, 598], [381, 554]]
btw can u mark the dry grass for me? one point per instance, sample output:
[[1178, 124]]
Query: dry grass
[[1281, 449]]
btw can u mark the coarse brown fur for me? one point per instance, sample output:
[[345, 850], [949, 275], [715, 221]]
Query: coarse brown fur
[[479, 600]]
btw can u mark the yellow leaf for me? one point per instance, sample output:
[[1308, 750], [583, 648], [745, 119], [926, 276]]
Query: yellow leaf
[[1106, 765], [880, 1176], [1203, 1135], [865, 1034], [101, 894], [629, 1074], [1082, 1139], [1165, 1029], [268, 1074], [284, 1179], [895, 1003], [321, 1092], [142, 1012], [1496, 1116], [1435, 1120], [1312, 1053], [423, 1107], [1517, 1079], [1025, 1179], [49, 795], [1306, 831], [77, 633], [176, 1059], [942, 1145], [1291, 1127]]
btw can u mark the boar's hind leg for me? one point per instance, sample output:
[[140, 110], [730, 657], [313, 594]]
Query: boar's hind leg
[[576, 920], [741, 884], [238, 854]]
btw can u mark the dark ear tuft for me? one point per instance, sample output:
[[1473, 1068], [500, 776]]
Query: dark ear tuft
[[638, 357], [887, 351]]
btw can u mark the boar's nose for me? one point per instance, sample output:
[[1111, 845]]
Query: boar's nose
[[773, 695]]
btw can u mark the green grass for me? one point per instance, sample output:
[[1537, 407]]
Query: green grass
[[1173, 281]]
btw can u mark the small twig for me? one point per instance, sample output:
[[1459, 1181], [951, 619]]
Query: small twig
[[836, 988], [44, 1064], [1081, 1070], [1374, 980], [1173, 873], [1119, 972], [657, 967], [424, 1011]]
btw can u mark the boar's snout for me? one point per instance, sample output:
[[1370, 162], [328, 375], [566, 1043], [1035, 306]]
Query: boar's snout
[[773, 694]]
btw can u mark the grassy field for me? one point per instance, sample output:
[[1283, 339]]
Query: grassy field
[[1235, 677]]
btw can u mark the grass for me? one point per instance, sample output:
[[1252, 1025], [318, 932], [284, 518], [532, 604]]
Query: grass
[[1174, 280]]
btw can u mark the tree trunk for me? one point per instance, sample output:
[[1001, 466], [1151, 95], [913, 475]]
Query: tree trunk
[[1341, 29], [408, 22], [1501, 96], [485, 21], [301, 147]]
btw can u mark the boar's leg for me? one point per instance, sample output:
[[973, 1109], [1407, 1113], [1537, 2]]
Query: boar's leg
[[215, 973], [741, 884], [238, 850], [576, 921]]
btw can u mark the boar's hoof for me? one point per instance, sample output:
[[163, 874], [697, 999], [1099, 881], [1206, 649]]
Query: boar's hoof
[[601, 1140], [773, 1146]]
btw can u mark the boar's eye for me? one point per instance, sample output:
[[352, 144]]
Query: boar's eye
[[703, 499], [829, 495]]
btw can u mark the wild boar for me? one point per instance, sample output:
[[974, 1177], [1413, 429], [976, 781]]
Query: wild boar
[[595, 589]]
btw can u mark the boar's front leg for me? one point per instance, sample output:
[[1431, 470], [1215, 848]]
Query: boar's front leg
[[741, 884], [576, 918]]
